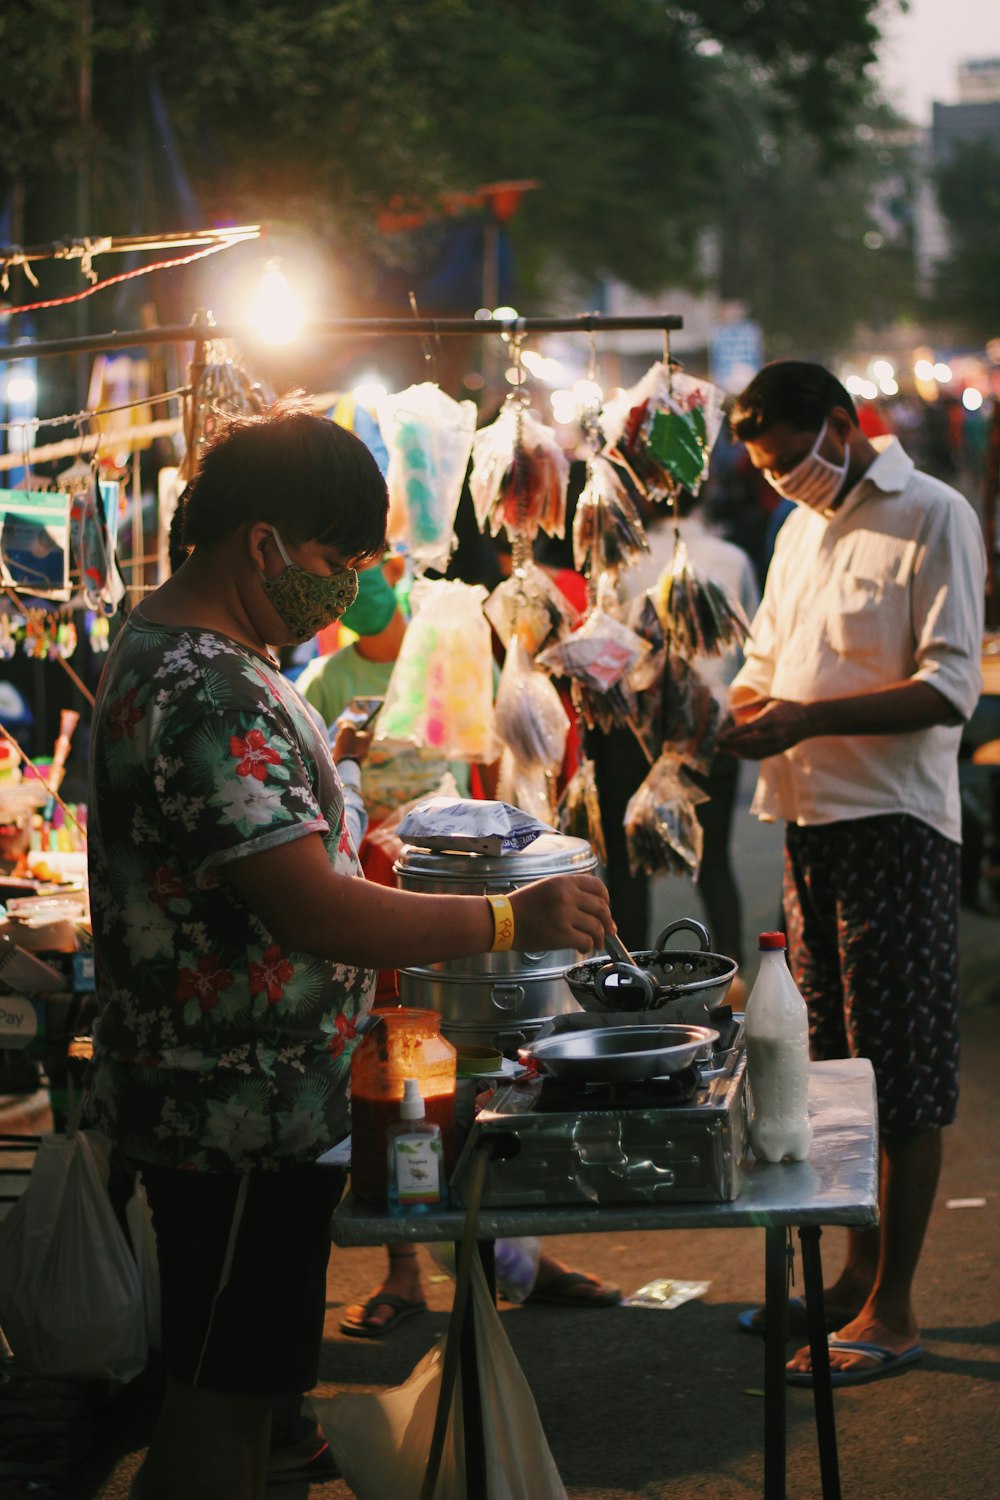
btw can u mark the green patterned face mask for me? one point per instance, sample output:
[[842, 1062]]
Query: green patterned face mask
[[307, 601]]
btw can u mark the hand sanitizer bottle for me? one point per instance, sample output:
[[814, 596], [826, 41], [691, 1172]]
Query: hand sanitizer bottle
[[415, 1158], [777, 1033]]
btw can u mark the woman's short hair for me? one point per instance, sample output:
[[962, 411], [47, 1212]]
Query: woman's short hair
[[788, 390], [310, 478]]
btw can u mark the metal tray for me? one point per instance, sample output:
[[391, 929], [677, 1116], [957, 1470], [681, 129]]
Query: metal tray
[[627, 1052]]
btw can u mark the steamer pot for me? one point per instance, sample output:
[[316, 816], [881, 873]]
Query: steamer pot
[[491, 999]]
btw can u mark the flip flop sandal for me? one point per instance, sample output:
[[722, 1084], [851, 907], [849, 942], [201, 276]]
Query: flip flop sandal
[[753, 1320], [356, 1325], [559, 1291], [885, 1363]]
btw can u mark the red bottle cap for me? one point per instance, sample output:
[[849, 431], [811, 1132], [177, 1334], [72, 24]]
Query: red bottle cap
[[768, 940]]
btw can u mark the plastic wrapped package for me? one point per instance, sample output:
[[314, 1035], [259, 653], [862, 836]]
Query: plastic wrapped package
[[661, 825], [519, 476], [607, 530], [530, 718], [429, 439], [663, 430], [529, 603], [463, 825], [698, 616], [579, 810], [598, 655], [440, 694]]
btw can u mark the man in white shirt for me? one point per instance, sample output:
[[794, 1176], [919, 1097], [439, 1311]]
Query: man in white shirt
[[862, 667]]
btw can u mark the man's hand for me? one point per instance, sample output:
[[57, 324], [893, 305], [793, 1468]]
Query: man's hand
[[562, 911], [766, 726], [351, 743]]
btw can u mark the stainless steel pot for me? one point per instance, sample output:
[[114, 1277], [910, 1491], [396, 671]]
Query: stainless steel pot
[[493, 998]]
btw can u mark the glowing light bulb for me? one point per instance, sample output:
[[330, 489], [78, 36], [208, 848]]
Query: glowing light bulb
[[370, 392], [277, 314], [924, 369], [21, 389], [972, 399], [942, 373]]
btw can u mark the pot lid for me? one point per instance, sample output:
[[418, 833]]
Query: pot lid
[[549, 854]]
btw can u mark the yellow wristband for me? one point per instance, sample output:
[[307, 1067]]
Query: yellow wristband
[[503, 923]]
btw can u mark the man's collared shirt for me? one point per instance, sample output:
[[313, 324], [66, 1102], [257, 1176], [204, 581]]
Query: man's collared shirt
[[889, 588]]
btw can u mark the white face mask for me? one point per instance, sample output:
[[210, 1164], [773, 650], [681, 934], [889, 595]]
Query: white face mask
[[814, 482]]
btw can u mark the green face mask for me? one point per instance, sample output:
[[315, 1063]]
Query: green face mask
[[307, 601], [375, 605]]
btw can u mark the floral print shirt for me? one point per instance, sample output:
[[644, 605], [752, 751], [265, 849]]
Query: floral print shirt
[[215, 1049]]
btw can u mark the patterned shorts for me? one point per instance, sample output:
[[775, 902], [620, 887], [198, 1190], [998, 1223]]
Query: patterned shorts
[[872, 912]]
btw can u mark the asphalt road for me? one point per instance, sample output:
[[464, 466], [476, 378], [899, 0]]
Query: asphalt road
[[639, 1404]]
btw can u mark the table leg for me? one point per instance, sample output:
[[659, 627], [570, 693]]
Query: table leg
[[776, 1315], [819, 1349]]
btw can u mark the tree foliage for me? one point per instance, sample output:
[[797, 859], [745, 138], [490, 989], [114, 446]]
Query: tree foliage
[[323, 112], [967, 287]]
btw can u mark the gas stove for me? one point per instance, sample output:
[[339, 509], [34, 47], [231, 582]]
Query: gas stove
[[682, 1137]]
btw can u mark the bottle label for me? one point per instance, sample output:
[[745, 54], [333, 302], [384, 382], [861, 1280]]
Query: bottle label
[[418, 1170]]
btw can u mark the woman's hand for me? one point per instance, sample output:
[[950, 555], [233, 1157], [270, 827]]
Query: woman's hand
[[562, 911]]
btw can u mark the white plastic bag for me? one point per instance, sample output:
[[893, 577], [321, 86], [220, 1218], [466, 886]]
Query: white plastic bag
[[381, 1440], [71, 1302]]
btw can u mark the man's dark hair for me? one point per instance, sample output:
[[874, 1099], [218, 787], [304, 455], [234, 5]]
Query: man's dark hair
[[308, 477], [788, 390]]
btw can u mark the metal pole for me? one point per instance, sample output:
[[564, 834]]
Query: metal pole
[[346, 328]]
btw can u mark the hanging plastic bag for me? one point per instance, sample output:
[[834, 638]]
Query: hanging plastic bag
[[663, 430], [530, 717], [579, 810], [71, 1302], [528, 787], [661, 825], [381, 1440], [607, 530], [529, 604], [429, 437], [519, 475], [698, 616], [440, 694]]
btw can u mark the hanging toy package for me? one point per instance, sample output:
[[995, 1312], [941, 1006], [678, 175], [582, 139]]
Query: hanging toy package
[[663, 430], [607, 531], [579, 810], [429, 439], [662, 831], [698, 616], [691, 714], [519, 475], [530, 600], [440, 694]]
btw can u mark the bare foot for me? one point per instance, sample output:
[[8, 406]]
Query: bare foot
[[865, 1328]]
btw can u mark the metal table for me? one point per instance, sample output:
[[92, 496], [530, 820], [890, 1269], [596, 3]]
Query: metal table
[[838, 1185]]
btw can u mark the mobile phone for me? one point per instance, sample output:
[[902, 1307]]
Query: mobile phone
[[362, 711]]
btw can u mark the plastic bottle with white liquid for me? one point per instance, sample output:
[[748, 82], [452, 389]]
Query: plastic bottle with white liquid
[[777, 1036]]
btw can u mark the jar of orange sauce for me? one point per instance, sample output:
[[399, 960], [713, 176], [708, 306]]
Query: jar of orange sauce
[[403, 1044]]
